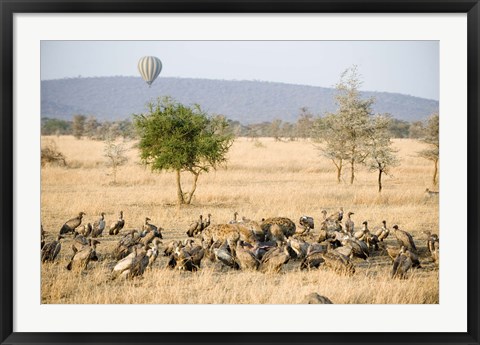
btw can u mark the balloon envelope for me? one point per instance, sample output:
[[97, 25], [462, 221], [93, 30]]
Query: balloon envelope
[[149, 68]]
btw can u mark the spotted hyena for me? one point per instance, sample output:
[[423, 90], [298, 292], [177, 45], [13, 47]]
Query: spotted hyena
[[231, 233], [286, 225]]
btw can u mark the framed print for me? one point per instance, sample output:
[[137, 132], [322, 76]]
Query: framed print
[[205, 171]]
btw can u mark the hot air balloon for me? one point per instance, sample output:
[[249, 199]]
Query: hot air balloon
[[149, 68]]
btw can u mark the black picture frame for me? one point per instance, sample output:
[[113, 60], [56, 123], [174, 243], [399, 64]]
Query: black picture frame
[[10, 7]]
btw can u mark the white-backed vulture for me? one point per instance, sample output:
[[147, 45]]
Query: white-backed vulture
[[71, 224]]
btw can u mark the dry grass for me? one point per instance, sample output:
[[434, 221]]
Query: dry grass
[[276, 178]]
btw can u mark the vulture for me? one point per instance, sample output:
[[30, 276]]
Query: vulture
[[414, 257], [339, 263], [436, 254], [432, 241], [125, 245], [404, 238], [274, 259], [234, 220], [187, 258], [300, 247], [433, 245], [149, 236], [261, 248], [122, 268], [85, 229], [134, 264], [79, 240], [196, 254], [314, 247], [147, 227], [383, 232], [346, 250], [312, 260], [139, 262], [392, 252], [152, 253], [349, 225], [360, 235], [178, 255], [401, 265], [224, 255], [50, 250], [42, 236], [306, 223], [99, 226], [117, 226], [170, 248], [315, 298], [359, 248], [245, 257], [190, 256], [337, 216], [195, 227], [372, 241], [71, 224], [82, 257], [207, 222]]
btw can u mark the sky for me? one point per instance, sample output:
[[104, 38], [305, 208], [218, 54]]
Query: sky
[[407, 67]]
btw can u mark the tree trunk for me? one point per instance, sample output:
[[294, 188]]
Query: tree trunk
[[180, 198], [435, 172], [339, 169], [194, 186], [352, 175], [380, 171], [114, 168]]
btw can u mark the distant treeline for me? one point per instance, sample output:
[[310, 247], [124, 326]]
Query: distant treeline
[[90, 127]]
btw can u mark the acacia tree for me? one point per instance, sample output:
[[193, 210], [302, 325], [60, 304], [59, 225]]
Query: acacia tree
[[178, 138], [381, 155], [304, 123], [90, 127], [275, 129], [354, 114], [116, 156], [432, 139], [344, 132], [78, 126], [328, 131]]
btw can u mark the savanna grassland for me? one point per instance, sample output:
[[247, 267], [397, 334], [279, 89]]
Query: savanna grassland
[[263, 178]]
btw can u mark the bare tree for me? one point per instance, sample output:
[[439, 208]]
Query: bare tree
[[115, 153], [432, 139], [51, 155]]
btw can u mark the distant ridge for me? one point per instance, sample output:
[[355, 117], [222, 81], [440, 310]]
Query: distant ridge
[[116, 98]]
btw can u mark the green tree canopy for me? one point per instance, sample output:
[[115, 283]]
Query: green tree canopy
[[179, 138]]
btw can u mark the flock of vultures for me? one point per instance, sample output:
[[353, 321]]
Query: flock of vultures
[[241, 244]]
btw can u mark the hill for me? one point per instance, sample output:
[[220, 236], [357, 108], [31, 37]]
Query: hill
[[116, 98]]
